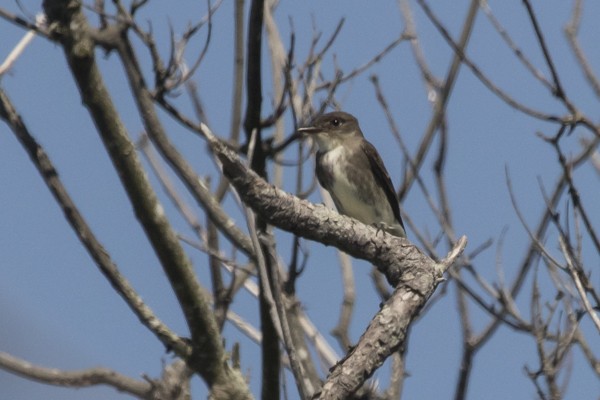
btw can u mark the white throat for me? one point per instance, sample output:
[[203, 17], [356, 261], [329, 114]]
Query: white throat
[[327, 143]]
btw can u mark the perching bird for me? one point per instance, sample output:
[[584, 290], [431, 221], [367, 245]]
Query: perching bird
[[351, 170]]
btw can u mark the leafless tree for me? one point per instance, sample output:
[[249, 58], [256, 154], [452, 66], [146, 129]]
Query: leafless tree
[[241, 251]]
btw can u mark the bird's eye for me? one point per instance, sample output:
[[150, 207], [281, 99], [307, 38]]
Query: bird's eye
[[336, 122]]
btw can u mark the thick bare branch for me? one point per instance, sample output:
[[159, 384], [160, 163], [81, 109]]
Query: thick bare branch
[[317, 222], [414, 275], [387, 331], [71, 29]]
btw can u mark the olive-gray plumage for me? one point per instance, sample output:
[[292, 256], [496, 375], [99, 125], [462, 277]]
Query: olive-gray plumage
[[351, 170]]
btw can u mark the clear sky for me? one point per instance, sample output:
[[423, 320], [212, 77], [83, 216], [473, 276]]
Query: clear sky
[[57, 310]]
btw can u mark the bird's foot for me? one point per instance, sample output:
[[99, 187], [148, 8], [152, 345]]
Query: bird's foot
[[381, 227]]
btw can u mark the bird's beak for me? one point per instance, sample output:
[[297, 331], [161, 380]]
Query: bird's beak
[[308, 130]]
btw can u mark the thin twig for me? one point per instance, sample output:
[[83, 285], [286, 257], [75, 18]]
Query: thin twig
[[485, 7], [577, 280], [486, 81], [76, 379], [439, 110], [20, 47], [572, 31]]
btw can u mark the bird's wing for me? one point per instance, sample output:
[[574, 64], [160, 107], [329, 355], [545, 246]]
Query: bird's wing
[[383, 178]]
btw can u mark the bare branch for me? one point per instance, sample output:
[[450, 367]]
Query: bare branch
[[208, 356], [157, 134], [572, 31], [386, 332], [513, 46], [76, 379], [558, 89], [573, 270], [486, 81], [37, 27], [440, 104], [83, 231], [20, 47]]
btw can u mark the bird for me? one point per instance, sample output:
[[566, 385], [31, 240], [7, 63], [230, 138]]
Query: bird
[[352, 171]]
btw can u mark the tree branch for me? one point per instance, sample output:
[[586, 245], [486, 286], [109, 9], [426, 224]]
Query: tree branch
[[414, 275], [71, 29], [85, 234], [388, 329], [76, 379]]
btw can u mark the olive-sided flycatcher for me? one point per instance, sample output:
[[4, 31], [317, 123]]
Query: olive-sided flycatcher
[[351, 170]]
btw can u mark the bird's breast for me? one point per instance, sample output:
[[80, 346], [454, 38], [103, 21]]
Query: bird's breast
[[352, 187]]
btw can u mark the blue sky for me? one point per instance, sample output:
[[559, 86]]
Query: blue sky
[[58, 310]]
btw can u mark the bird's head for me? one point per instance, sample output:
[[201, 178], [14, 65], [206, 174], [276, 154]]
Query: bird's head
[[332, 130]]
